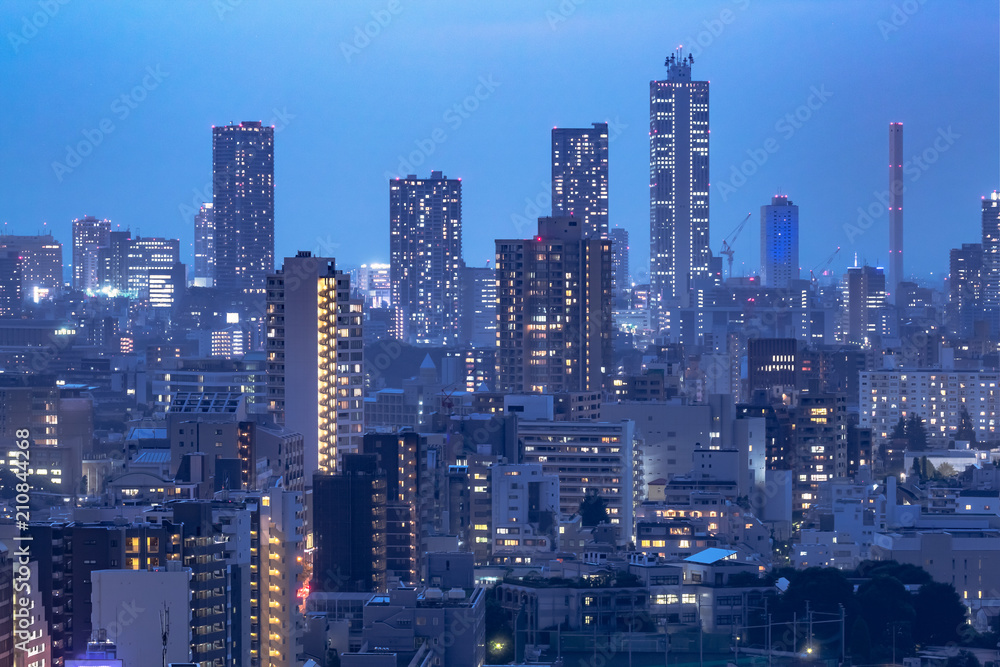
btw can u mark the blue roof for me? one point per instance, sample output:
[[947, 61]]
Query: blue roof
[[153, 456], [138, 433], [709, 556]]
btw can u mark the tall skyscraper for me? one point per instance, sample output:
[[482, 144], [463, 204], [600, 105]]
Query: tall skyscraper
[[89, 236], [580, 176], [678, 183], [965, 286], [204, 246], [315, 358], [619, 265], [895, 208], [554, 310], [425, 244], [779, 242], [479, 306], [243, 206], [349, 534], [991, 252]]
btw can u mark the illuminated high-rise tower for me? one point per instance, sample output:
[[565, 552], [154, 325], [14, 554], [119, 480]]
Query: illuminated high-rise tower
[[89, 236], [315, 359], [243, 206], [554, 310], [991, 252], [678, 183], [895, 208], [204, 246], [425, 258], [779, 242], [580, 176]]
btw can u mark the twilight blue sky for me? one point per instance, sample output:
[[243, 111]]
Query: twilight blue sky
[[348, 110]]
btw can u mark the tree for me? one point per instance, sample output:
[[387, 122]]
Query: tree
[[332, 658], [916, 433], [940, 614], [899, 430], [946, 470], [861, 642], [593, 509], [886, 607], [966, 427], [963, 659]]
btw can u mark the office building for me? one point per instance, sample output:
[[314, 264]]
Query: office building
[[896, 187], [112, 269], [580, 177], [40, 263], [349, 524], [315, 358], [374, 283], [965, 286], [771, 362], [678, 182], [425, 245], [204, 246], [149, 255], [554, 310], [479, 306], [166, 285], [620, 266], [89, 236], [10, 284], [779, 243], [865, 313], [243, 206], [180, 375]]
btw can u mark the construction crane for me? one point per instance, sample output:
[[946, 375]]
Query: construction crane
[[727, 243], [823, 266]]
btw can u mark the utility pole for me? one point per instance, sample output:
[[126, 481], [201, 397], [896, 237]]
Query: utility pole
[[809, 637], [769, 655], [843, 634]]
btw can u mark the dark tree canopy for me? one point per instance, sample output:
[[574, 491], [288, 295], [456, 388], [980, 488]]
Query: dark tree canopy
[[593, 509], [861, 641], [940, 614]]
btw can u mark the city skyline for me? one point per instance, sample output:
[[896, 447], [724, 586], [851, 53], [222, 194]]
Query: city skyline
[[943, 183]]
